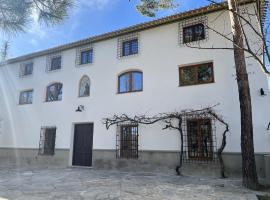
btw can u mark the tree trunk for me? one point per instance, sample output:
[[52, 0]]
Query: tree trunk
[[249, 173]]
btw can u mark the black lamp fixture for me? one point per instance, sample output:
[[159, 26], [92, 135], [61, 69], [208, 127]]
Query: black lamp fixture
[[268, 128], [80, 108], [262, 92]]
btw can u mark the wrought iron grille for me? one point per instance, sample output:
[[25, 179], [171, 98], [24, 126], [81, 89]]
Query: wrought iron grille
[[127, 141], [47, 141], [199, 138]]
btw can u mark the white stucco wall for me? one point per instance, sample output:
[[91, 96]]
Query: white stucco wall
[[159, 58]]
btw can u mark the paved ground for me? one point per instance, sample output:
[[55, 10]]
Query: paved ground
[[74, 183]]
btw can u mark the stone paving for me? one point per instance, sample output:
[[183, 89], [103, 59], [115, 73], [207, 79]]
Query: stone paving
[[75, 183]]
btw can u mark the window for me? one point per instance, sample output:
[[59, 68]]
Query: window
[[26, 69], [84, 87], [47, 141], [130, 82], [54, 92], [200, 143], [26, 97], [130, 47], [128, 143], [55, 63], [193, 33], [196, 74], [86, 57]]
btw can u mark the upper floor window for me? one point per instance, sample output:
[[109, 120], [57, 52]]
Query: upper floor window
[[130, 47], [54, 92], [26, 69], [130, 82], [196, 74], [86, 56], [84, 87], [193, 33], [54, 62], [26, 97]]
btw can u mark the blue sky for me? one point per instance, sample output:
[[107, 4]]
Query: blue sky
[[89, 18]]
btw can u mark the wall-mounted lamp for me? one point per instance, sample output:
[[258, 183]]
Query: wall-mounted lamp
[[268, 128], [262, 92], [80, 108]]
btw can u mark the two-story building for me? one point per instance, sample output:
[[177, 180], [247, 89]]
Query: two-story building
[[53, 101]]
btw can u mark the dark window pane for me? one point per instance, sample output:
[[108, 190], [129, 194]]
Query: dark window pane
[[26, 97], [199, 32], [130, 47], [205, 74], [193, 33], [188, 76], [47, 141], [55, 63], [27, 69], [129, 142], [200, 139], [197, 74], [86, 56]]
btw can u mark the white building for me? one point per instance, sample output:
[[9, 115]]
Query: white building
[[142, 69]]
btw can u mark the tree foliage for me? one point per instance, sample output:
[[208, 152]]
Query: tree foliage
[[16, 15], [151, 7]]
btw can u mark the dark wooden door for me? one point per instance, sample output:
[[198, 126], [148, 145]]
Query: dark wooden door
[[83, 145]]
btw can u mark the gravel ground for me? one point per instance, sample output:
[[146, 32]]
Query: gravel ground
[[75, 183]]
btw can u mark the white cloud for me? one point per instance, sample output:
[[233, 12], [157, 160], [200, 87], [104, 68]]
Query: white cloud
[[35, 27]]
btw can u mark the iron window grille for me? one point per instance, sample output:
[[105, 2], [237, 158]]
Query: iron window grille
[[131, 81], [193, 33], [193, 30], [127, 141], [26, 97], [84, 55], [196, 74], [199, 139], [54, 62], [47, 141], [26, 69], [128, 45]]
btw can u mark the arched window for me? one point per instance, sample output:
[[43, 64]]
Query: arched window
[[84, 87], [131, 81], [54, 92]]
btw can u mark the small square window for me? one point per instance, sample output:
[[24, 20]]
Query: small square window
[[47, 141], [55, 63], [86, 57], [130, 47], [26, 69], [193, 33], [26, 97]]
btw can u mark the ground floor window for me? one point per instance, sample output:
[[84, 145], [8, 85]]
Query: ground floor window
[[47, 141], [200, 142], [127, 142]]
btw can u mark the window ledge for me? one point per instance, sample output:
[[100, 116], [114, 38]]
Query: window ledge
[[130, 92]]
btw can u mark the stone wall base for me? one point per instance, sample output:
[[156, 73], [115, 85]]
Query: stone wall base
[[148, 161]]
